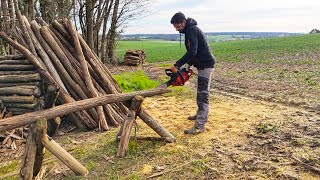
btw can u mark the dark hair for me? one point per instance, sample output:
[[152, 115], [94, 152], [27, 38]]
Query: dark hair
[[177, 18]]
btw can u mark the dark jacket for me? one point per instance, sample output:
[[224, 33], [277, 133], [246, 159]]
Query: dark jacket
[[198, 51]]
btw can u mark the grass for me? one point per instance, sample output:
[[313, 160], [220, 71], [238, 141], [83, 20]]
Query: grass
[[135, 81]]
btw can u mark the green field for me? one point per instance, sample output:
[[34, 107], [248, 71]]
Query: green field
[[256, 50]]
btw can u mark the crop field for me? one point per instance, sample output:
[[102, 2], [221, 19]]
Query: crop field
[[256, 50]]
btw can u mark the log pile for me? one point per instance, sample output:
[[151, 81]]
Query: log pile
[[134, 57], [19, 85], [62, 57]]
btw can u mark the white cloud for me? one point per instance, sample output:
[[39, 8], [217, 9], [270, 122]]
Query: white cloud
[[230, 15]]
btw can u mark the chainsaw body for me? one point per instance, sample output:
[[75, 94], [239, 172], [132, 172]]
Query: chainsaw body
[[178, 78]]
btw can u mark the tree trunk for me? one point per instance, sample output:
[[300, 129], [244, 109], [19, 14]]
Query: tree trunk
[[111, 41], [28, 159], [89, 23]]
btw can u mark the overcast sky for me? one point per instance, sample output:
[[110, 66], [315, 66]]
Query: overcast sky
[[233, 16]]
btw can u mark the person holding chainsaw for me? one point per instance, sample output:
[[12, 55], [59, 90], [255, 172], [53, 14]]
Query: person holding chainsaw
[[199, 55]]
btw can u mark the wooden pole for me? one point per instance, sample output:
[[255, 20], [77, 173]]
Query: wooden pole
[[64, 156], [28, 159], [127, 125], [40, 132], [155, 125], [28, 118]]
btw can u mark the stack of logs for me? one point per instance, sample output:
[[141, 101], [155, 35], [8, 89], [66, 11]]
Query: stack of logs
[[134, 57], [63, 58], [19, 85]]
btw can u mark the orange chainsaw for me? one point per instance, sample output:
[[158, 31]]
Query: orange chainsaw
[[178, 78]]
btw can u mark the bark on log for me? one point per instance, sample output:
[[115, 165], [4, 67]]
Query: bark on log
[[23, 106], [16, 67], [20, 90], [18, 121], [51, 96], [70, 74], [127, 126], [53, 71], [13, 57], [155, 125], [93, 60], [23, 110], [16, 72], [40, 132], [20, 78], [64, 156], [20, 84], [9, 62], [28, 159], [17, 99]]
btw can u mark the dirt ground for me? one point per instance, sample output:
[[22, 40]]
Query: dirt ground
[[250, 135]]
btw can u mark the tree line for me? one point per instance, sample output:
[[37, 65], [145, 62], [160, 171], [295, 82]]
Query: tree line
[[99, 21]]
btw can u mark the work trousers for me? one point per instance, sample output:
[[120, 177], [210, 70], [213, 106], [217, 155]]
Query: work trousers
[[204, 81]]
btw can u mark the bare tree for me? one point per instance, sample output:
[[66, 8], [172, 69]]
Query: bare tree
[[51, 10]]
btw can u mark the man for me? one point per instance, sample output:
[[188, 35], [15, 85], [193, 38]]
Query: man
[[199, 55]]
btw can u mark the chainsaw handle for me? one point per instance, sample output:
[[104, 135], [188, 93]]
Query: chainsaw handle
[[168, 72]]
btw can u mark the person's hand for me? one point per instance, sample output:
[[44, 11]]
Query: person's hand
[[174, 69]]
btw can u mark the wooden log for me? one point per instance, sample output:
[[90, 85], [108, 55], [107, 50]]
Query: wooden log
[[13, 57], [18, 121], [16, 72], [59, 50], [23, 110], [28, 159], [20, 84], [48, 55], [36, 44], [147, 138], [64, 156], [155, 125], [20, 78], [104, 74], [130, 57], [127, 126], [23, 106], [17, 99], [92, 90], [9, 62], [16, 67], [20, 90], [16, 33], [51, 96], [72, 63], [83, 115], [40, 133]]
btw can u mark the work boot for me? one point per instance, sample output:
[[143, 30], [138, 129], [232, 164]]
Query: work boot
[[194, 130], [192, 118]]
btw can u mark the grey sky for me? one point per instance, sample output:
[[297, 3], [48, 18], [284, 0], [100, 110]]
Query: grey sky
[[233, 16]]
